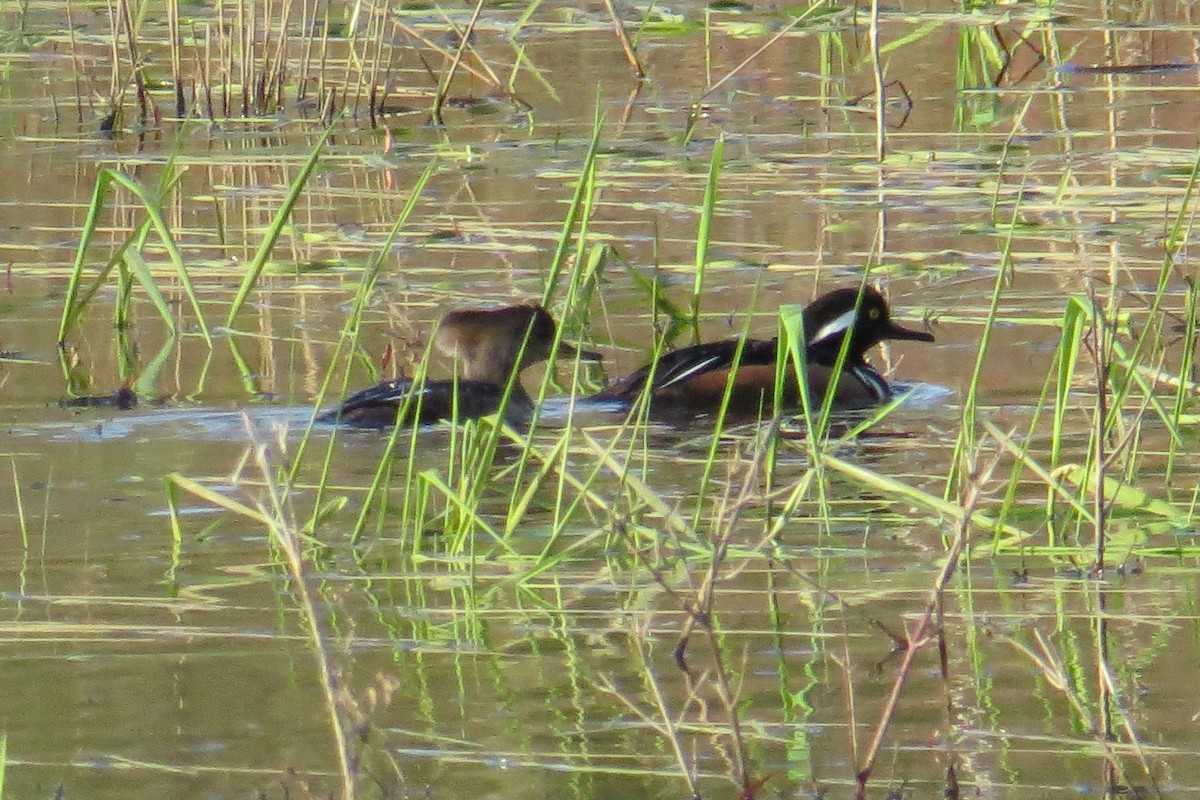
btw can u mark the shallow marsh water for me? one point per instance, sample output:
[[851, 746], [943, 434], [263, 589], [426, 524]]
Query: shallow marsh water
[[143, 666]]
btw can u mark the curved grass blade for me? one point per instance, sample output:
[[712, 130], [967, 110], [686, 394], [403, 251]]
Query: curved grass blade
[[137, 268], [586, 184], [72, 307], [273, 230], [918, 497], [705, 229], [349, 338]]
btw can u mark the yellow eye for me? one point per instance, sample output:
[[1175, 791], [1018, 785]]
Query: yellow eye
[[873, 314]]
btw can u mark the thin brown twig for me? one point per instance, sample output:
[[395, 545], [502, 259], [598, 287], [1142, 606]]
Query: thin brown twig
[[491, 76], [1100, 339], [174, 41], [666, 727], [626, 45], [135, 62], [880, 86], [440, 98], [1052, 667], [413, 33], [922, 634], [786, 29], [76, 70], [699, 610], [275, 509]]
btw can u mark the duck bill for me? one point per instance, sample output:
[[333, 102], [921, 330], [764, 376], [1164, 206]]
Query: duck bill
[[568, 351], [895, 331]]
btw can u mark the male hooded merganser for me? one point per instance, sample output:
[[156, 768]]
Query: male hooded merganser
[[491, 346], [694, 378]]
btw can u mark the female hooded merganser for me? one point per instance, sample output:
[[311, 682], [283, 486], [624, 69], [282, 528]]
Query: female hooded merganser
[[491, 346], [694, 378]]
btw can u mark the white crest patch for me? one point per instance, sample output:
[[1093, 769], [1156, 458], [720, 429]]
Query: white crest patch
[[695, 369], [837, 326]]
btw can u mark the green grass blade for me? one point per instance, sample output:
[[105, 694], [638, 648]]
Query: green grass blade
[[154, 211], [349, 338], [74, 304], [705, 229], [72, 309], [218, 499], [918, 497], [255, 268], [586, 183], [137, 266]]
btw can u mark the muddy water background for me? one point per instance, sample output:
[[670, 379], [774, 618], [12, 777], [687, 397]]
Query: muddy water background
[[137, 666]]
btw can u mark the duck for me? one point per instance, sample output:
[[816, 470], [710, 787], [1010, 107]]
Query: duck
[[491, 346], [692, 380]]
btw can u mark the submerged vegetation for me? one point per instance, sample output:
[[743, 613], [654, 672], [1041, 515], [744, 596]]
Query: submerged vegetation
[[729, 607]]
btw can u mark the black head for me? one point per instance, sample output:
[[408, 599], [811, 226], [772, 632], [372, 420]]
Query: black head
[[828, 318]]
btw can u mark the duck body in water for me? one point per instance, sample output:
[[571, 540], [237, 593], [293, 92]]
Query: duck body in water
[[492, 348], [693, 380]]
